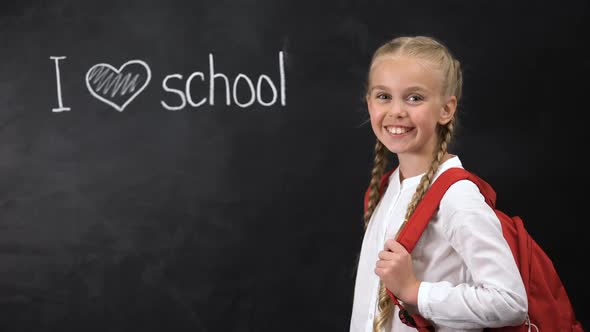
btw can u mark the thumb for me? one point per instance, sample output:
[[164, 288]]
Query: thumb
[[394, 246]]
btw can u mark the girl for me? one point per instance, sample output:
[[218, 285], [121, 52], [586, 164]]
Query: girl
[[461, 276]]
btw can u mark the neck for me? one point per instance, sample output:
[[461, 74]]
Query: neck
[[412, 164]]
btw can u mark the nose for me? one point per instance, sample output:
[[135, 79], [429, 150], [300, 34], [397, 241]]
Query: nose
[[397, 110]]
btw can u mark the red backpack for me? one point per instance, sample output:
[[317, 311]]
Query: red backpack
[[549, 307]]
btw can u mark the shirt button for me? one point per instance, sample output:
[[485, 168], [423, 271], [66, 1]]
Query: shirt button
[[371, 316]]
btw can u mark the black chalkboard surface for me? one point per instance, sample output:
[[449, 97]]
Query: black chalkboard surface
[[200, 165]]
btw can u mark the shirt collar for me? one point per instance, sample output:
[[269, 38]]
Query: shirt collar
[[413, 181]]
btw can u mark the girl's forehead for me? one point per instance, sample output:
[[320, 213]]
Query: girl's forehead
[[406, 59], [404, 70]]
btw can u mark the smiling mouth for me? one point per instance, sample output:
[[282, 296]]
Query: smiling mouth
[[398, 130]]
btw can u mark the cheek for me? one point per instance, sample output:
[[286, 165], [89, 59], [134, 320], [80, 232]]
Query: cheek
[[375, 113], [427, 122], [376, 117], [374, 123]]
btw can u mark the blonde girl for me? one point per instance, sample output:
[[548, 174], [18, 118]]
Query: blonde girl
[[461, 276]]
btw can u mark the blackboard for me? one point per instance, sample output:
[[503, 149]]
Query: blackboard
[[174, 204]]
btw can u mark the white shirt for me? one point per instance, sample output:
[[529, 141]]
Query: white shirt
[[469, 277]]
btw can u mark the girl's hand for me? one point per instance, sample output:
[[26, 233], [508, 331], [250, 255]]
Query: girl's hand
[[395, 269]]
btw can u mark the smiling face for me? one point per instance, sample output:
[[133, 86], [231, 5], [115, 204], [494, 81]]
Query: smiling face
[[405, 104]]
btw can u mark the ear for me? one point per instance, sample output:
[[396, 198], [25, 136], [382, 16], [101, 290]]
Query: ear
[[447, 111]]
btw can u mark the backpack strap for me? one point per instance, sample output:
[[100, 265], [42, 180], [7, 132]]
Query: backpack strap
[[410, 234], [413, 229]]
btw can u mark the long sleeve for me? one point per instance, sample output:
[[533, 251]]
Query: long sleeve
[[497, 296]]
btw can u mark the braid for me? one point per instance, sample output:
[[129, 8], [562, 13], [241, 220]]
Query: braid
[[385, 310], [380, 162], [445, 134], [379, 165]]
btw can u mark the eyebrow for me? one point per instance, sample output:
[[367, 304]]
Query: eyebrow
[[414, 87]]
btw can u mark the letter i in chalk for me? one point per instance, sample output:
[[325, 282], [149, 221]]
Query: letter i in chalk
[[60, 105]]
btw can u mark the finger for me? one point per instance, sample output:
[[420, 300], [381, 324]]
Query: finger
[[394, 246], [382, 264], [378, 271], [386, 255]]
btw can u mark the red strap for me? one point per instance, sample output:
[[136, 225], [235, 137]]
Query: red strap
[[419, 220], [412, 320], [410, 234]]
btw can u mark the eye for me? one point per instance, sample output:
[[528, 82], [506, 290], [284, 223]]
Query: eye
[[416, 98], [382, 96]]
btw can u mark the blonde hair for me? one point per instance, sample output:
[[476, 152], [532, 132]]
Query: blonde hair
[[435, 52]]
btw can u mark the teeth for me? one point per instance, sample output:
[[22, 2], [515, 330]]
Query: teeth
[[397, 130]]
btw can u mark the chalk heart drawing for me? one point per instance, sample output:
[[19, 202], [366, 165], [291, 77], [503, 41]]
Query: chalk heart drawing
[[118, 87]]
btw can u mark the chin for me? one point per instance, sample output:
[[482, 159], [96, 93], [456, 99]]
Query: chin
[[393, 148]]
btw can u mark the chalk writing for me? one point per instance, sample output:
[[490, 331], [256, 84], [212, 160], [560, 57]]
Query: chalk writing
[[118, 87], [60, 107], [231, 89]]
